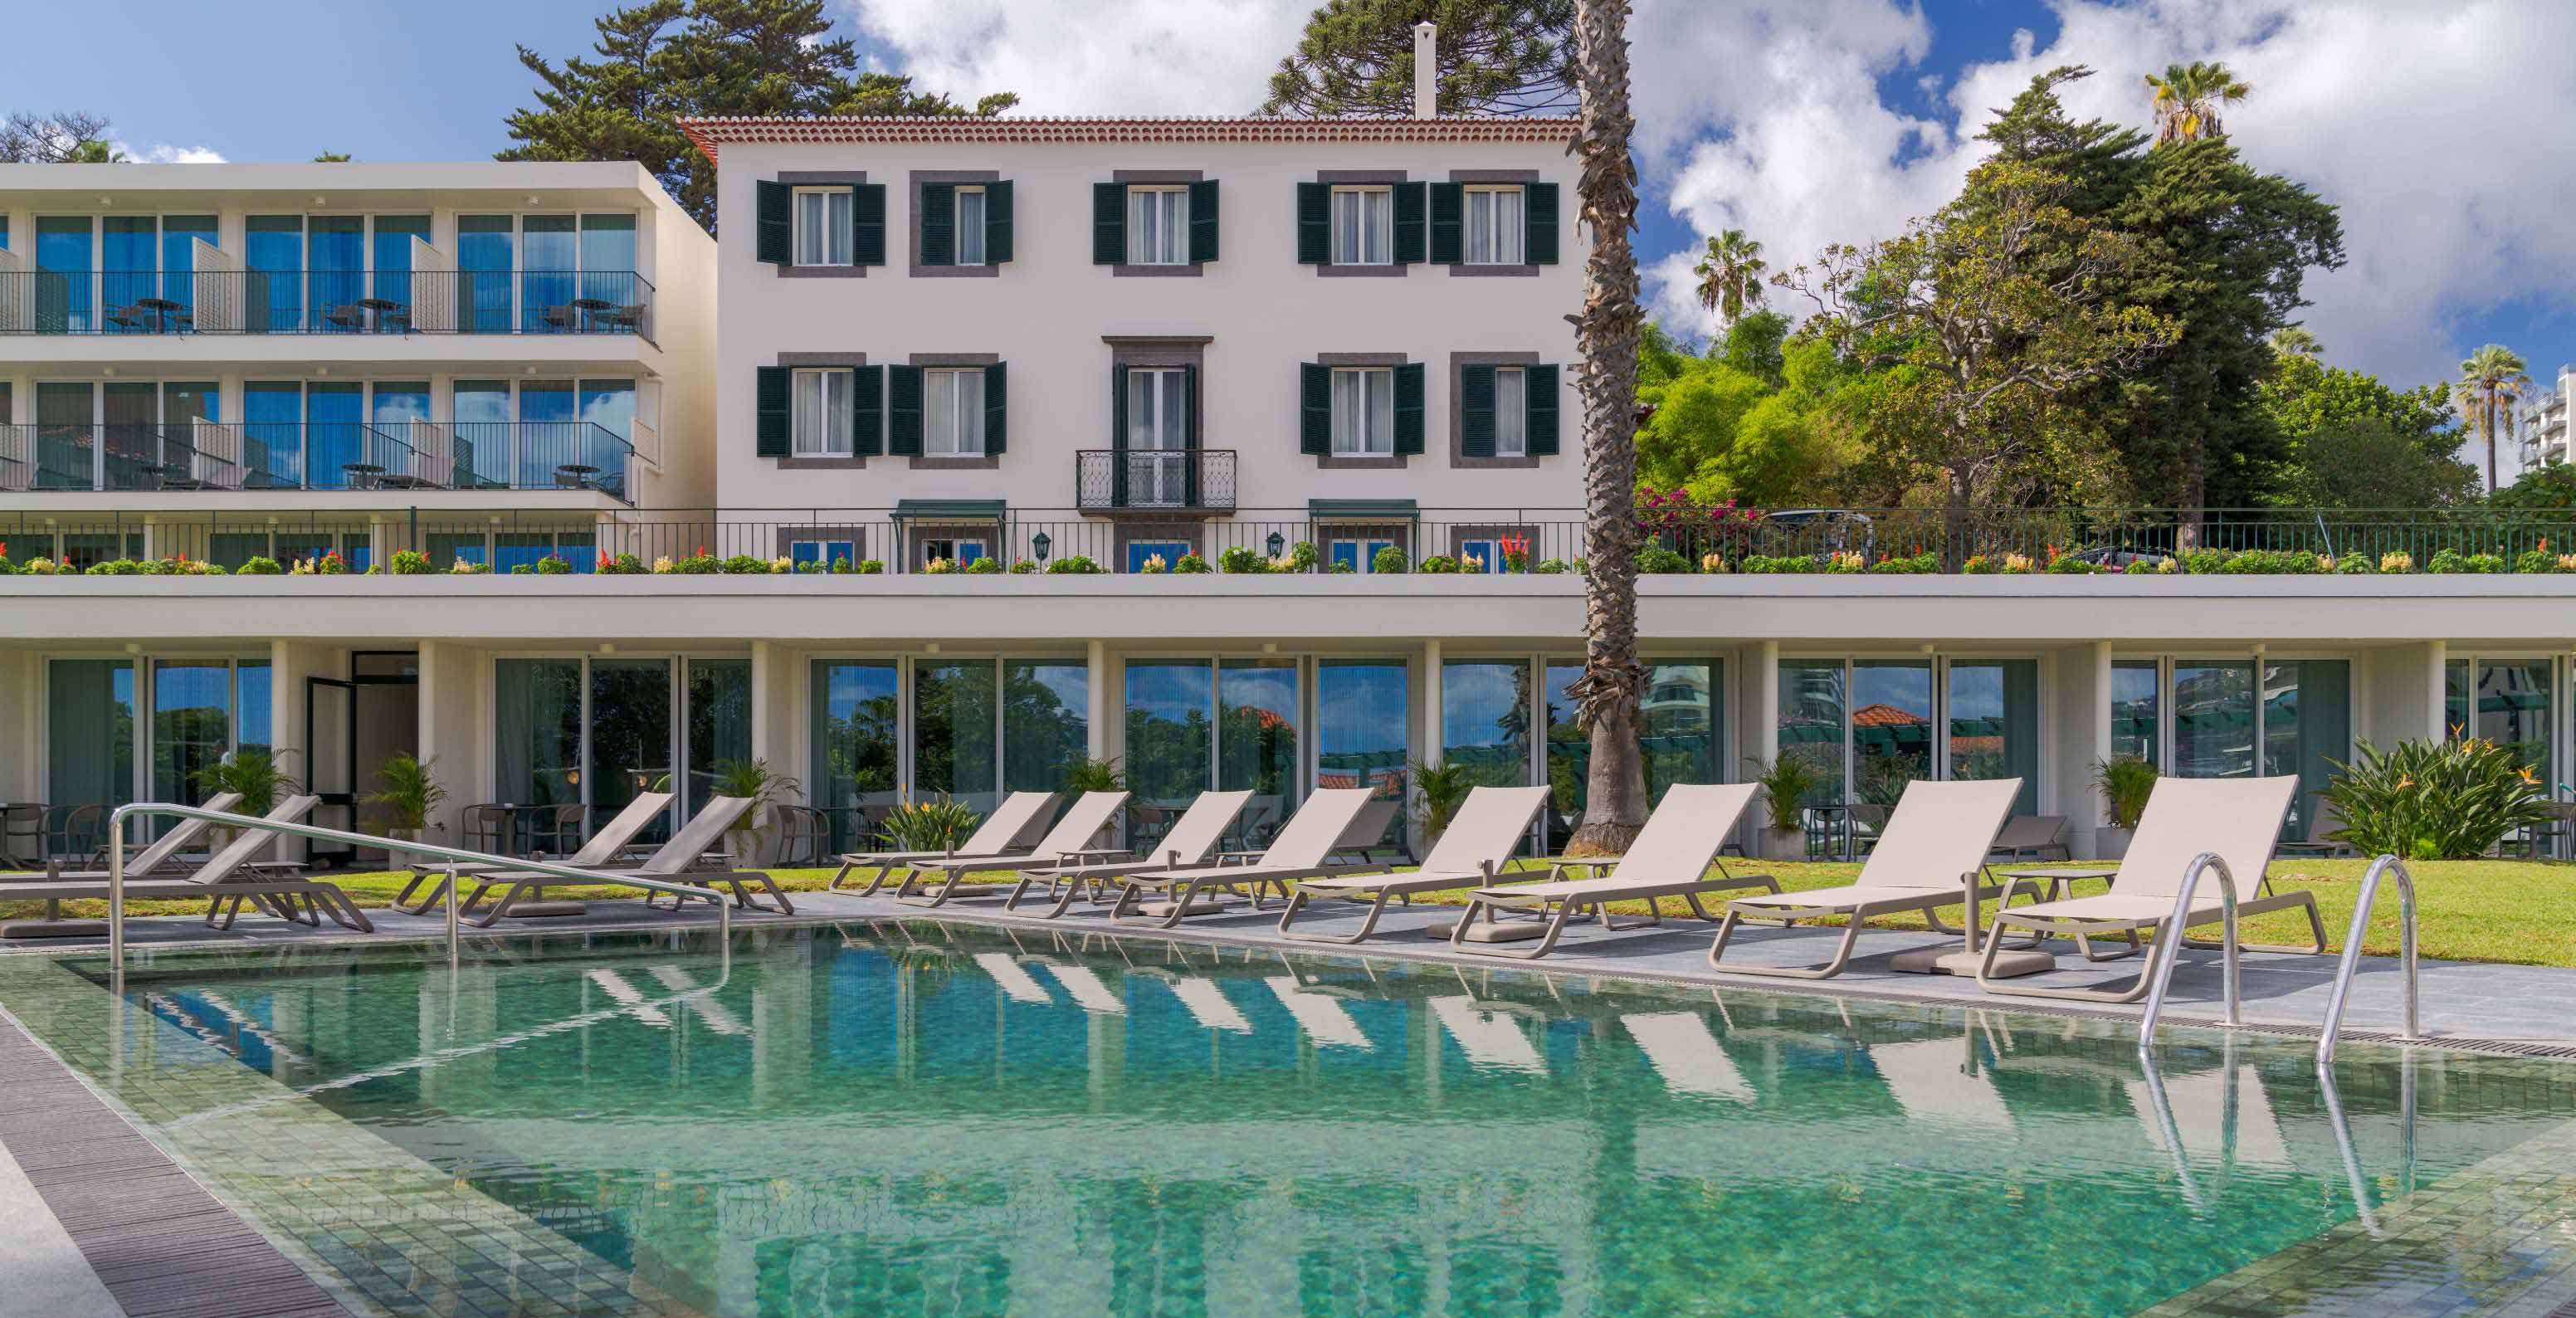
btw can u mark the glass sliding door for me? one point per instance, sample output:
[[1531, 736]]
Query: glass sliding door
[[1170, 705], [1363, 709], [335, 265], [630, 737], [180, 235], [1891, 732], [65, 299], [129, 434], [547, 290], [66, 436], [2213, 719], [192, 725], [273, 256], [1569, 757], [1811, 723], [2508, 704], [128, 259], [89, 731], [1994, 724], [253, 717], [2137, 710], [1683, 725], [547, 439], [334, 434], [1485, 720], [719, 704], [1256, 751], [190, 454], [537, 729], [2307, 724], [608, 260], [272, 434], [391, 279], [480, 437], [952, 732], [852, 734], [485, 279], [608, 408], [1046, 722]]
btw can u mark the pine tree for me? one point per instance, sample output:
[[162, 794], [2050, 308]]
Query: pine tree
[[1496, 57]]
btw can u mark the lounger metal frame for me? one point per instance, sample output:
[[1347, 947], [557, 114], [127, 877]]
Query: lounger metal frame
[[1561, 910]]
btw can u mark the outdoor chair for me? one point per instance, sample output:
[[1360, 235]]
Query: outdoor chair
[[1670, 858], [1471, 853]]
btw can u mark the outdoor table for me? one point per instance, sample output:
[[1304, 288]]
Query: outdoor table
[[362, 475], [580, 472], [162, 310], [377, 308], [590, 307]]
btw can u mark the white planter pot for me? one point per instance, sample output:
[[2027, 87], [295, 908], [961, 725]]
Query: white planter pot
[[2110, 843], [742, 850], [1784, 843]]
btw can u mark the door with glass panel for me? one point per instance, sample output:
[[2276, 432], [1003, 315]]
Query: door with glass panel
[[331, 754], [1158, 413]]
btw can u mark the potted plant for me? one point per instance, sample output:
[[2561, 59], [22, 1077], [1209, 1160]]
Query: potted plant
[[1785, 784], [1444, 788], [756, 782], [255, 774], [2124, 782], [409, 794]]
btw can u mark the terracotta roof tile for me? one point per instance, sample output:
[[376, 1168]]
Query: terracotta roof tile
[[709, 134]]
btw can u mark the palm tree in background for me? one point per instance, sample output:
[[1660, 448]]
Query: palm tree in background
[[1730, 276], [1606, 696], [2296, 341], [2188, 98], [2491, 380]]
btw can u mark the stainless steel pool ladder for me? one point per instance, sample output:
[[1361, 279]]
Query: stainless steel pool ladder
[[2166, 947], [2337, 996], [454, 856]]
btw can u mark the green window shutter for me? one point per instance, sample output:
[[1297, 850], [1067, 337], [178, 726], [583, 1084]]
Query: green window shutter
[[867, 411], [770, 439], [997, 222], [1315, 413], [1190, 435], [1118, 438], [867, 224], [1108, 224], [1538, 213], [997, 407], [903, 411], [1539, 412], [1476, 411], [1408, 408], [939, 224], [1409, 223], [777, 228], [1314, 224], [1203, 221], [1448, 223]]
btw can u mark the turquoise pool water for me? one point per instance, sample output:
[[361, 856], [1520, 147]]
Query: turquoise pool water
[[919, 1118]]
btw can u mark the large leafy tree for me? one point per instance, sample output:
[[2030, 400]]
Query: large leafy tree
[[2188, 99], [1606, 333], [1496, 57], [2350, 441], [665, 60], [1730, 275], [65, 137], [2492, 381]]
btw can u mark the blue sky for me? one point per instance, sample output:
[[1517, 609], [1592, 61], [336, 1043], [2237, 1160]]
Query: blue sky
[[1804, 121]]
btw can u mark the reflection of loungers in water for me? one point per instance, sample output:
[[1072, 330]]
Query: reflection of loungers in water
[[2199, 1104], [621, 990], [719, 1017], [1323, 1017], [628, 996], [1083, 984], [1687, 1057], [1487, 1035], [1207, 1003], [1012, 978], [1931, 1079]]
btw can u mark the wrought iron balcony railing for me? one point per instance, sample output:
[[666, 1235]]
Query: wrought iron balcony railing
[[318, 455], [1114, 479], [326, 302]]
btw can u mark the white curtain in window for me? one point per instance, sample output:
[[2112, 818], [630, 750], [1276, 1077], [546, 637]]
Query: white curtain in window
[[1494, 227], [1158, 226], [1363, 411], [954, 408], [823, 227], [1511, 415], [970, 226], [1363, 226]]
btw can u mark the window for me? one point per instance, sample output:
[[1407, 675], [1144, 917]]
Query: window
[[1486, 553], [822, 424], [1158, 226], [824, 552], [1494, 226], [1364, 411], [953, 412], [1140, 552], [970, 226], [823, 226], [1158, 409], [1363, 226], [1354, 555], [960, 550], [1511, 412]]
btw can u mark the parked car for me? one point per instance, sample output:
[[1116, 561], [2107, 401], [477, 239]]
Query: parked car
[[1820, 532]]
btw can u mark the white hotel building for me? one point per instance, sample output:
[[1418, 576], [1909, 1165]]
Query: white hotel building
[[923, 344]]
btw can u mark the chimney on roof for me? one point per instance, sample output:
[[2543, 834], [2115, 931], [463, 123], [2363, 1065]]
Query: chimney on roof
[[1426, 70]]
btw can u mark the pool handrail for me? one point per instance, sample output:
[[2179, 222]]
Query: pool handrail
[[2160, 968], [454, 856], [2341, 991]]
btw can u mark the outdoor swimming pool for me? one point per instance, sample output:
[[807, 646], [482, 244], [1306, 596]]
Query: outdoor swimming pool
[[926, 1118]]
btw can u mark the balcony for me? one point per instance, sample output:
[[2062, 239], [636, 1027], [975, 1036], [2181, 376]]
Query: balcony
[[1179, 480], [337, 456], [326, 302]]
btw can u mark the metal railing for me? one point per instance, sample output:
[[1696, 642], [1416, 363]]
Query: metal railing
[[147, 302], [1194, 479], [454, 857], [2167, 947], [316, 455], [2341, 992]]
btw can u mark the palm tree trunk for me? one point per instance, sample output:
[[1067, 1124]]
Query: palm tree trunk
[[1606, 696], [2487, 427]]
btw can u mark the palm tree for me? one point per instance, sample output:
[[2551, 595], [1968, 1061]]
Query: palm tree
[[2188, 97], [1606, 334], [2296, 341], [1730, 276], [2490, 380]]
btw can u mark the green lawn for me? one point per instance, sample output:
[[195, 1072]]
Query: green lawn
[[2472, 910]]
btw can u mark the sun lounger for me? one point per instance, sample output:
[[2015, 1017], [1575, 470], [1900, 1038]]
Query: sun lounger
[[1471, 854], [2236, 819], [2033, 837], [162, 856], [226, 881], [1069, 840], [1018, 820], [1192, 839], [602, 850], [1934, 844], [1304, 848], [1670, 858], [669, 864]]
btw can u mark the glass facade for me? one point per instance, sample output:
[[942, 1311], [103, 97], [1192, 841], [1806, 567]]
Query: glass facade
[[89, 731], [2213, 720], [1257, 720], [953, 732], [1811, 723], [537, 724], [2307, 725], [2137, 710], [1485, 719], [1870, 727], [1046, 722], [192, 725], [2507, 701], [1891, 729], [719, 704], [630, 737], [1363, 711], [1994, 724], [852, 734], [1170, 754]]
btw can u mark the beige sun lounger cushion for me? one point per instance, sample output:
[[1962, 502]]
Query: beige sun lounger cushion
[[1672, 853], [1070, 837], [1483, 835], [1939, 832], [1191, 840], [1010, 821], [2238, 818], [1302, 847]]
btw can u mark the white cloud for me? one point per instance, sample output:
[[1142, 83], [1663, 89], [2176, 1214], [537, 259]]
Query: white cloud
[[162, 153], [1159, 57]]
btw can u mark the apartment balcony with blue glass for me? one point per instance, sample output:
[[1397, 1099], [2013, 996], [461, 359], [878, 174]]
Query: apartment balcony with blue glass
[[326, 275]]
